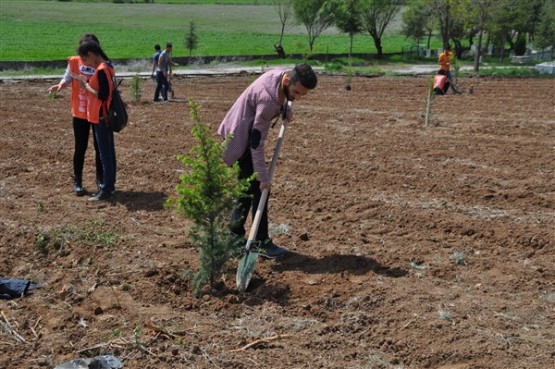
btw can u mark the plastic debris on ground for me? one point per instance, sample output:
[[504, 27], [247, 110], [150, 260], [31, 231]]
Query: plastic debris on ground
[[98, 362], [11, 288]]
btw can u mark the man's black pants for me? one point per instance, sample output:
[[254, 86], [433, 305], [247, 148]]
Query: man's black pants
[[244, 204]]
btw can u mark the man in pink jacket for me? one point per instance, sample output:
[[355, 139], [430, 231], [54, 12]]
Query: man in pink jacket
[[249, 121]]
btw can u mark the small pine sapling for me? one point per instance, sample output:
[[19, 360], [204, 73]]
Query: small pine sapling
[[136, 88], [191, 38], [429, 102], [206, 195]]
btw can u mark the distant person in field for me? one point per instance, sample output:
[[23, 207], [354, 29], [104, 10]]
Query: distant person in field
[[81, 126], [157, 52], [441, 83], [163, 73], [99, 94], [444, 60], [249, 121]]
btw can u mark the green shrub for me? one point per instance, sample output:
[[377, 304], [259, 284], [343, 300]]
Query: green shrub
[[206, 194], [136, 88]]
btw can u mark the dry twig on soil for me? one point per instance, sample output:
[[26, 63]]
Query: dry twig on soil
[[164, 331], [5, 323], [117, 343], [262, 340]]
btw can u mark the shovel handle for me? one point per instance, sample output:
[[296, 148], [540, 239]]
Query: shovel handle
[[265, 192]]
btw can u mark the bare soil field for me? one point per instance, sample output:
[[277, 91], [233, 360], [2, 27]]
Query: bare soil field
[[412, 246]]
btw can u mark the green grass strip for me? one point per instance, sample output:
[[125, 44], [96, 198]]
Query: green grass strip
[[49, 30]]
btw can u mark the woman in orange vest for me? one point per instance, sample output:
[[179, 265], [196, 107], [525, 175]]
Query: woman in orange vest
[[99, 96], [81, 127]]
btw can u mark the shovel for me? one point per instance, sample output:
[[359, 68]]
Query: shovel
[[250, 256]]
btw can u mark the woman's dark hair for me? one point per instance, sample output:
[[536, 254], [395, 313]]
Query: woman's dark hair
[[93, 47], [88, 36], [304, 74]]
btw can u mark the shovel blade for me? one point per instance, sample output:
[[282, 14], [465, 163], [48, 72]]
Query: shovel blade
[[245, 270]]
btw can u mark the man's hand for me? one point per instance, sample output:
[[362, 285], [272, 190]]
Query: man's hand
[[289, 116], [265, 185]]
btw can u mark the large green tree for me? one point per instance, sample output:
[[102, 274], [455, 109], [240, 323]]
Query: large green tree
[[376, 15], [545, 31], [284, 10], [316, 16], [348, 18], [418, 21], [511, 20], [476, 14]]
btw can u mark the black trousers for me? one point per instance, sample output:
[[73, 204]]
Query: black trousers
[[244, 204], [81, 129], [162, 86]]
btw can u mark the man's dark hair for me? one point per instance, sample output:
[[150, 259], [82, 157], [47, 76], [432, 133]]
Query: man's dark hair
[[441, 71], [157, 47], [169, 44], [304, 74]]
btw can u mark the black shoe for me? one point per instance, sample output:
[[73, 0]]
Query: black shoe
[[78, 185], [78, 189], [97, 193], [102, 196], [270, 250]]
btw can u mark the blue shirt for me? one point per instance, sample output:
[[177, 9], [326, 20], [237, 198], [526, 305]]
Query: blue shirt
[[156, 56]]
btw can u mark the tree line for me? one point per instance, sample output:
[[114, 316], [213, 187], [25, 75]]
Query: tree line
[[515, 23]]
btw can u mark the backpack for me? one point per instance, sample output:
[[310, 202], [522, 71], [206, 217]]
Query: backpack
[[116, 116]]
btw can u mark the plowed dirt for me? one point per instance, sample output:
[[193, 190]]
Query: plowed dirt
[[413, 246]]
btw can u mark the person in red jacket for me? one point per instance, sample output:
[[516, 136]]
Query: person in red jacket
[[81, 127], [441, 83], [99, 95]]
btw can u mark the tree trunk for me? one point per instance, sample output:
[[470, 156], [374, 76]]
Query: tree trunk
[[351, 45], [282, 32], [429, 39], [458, 48], [478, 52], [379, 48], [502, 53]]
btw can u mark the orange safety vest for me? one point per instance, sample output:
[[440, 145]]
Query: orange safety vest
[[94, 104], [78, 96], [445, 60]]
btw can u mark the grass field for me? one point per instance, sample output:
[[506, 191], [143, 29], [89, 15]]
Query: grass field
[[48, 30]]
